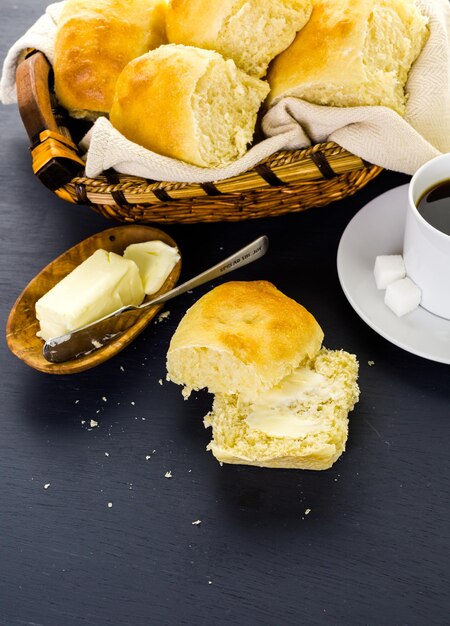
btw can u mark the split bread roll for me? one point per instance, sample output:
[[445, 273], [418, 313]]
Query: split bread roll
[[281, 399], [188, 104], [250, 32], [300, 423], [241, 337], [94, 42], [352, 53]]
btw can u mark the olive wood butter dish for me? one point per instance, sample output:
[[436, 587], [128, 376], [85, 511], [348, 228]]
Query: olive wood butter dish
[[22, 324]]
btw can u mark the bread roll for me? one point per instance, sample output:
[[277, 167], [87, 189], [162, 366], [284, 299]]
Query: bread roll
[[281, 399], [94, 42], [352, 53], [241, 337], [189, 104], [250, 32], [301, 423]]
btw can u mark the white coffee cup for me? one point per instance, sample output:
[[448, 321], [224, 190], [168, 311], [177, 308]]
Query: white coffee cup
[[426, 250]]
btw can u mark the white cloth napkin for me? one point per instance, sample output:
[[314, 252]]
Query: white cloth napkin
[[376, 134], [40, 36], [109, 148]]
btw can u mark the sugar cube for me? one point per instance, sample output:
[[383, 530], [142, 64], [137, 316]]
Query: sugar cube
[[402, 296], [388, 267]]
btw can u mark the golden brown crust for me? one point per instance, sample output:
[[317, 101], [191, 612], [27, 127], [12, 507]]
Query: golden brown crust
[[187, 103], [255, 323], [167, 76], [95, 41], [328, 47], [197, 22], [332, 59], [250, 32]]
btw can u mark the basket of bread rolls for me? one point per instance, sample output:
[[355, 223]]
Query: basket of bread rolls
[[189, 82]]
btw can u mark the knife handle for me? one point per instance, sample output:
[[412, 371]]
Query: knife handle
[[242, 257]]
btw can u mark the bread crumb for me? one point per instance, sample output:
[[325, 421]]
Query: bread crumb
[[164, 315], [185, 392], [83, 421], [197, 522], [104, 398], [122, 368], [93, 423], [132, 403], [109, 505], [168, 474], [370, 363], [307, 511], [160, 381], [209, 582], [148, 457], [106, 453], [47, 485], [76, 401]]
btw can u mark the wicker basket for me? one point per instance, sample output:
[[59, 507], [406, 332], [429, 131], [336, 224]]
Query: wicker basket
[[287, 181]]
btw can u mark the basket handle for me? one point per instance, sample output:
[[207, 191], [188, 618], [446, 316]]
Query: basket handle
[[56, 160]]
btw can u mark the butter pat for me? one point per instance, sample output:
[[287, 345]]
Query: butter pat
[[155, 260], [100, 285]]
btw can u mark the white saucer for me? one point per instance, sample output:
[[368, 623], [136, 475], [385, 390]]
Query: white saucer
[[378, 229]]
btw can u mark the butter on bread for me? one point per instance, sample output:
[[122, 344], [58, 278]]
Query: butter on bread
[[281, 399], [307, 430], [94, 42], [241, 337], [352, 53], [188, 104], [250, 32]]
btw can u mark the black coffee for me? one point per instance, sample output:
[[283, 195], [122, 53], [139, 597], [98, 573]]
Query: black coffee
[[434, 206]]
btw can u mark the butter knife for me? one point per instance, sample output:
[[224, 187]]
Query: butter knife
[[95, 335]]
